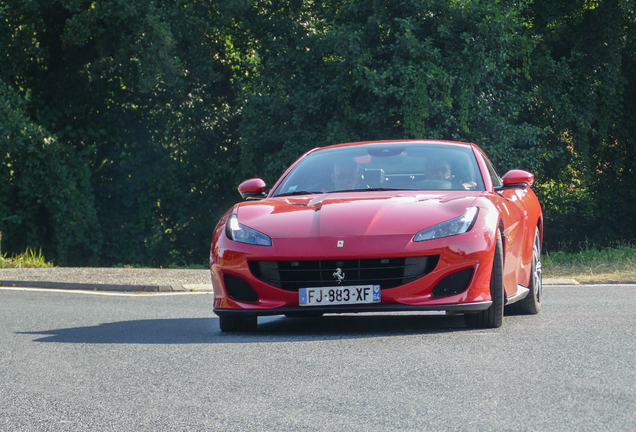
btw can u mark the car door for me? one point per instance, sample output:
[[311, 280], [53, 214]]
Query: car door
[[512, 212]]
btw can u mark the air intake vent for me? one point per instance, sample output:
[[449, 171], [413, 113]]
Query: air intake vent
[[239, 290], [386, 272], [453, 283]]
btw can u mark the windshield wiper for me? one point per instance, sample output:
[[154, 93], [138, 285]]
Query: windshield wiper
[[298, 193], [366, 190], [381, 189], [302, 192]]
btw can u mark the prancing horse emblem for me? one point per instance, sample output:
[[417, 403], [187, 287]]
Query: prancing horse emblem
[[338, 274]]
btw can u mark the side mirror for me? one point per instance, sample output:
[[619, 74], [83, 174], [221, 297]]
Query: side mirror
[[253, 189], [517, 179]]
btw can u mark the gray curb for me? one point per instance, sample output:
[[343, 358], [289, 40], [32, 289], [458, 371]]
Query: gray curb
[[109, 279], [560, 282], [88, 287]]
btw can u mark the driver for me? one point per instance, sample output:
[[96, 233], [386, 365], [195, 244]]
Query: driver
[[345, 175]]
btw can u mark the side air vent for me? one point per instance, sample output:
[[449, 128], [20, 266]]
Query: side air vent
[[453, 283], [239, 290]]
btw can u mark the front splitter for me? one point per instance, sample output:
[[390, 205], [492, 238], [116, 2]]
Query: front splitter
[[339, 309]]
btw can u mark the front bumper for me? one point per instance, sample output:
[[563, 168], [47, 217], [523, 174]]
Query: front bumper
[[474, 250]]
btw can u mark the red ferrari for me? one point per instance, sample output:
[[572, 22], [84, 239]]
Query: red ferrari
[[381, 226]]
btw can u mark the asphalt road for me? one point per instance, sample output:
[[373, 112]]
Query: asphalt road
[[71, 361]]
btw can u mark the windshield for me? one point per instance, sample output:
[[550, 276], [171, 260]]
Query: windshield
[[385, 166]]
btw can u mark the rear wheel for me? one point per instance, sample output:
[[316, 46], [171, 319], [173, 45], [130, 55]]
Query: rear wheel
[[238, 324], [531, 305], [493, 316]]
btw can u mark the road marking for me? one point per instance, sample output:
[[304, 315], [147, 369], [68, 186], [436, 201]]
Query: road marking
[[104, 293], [595, 285]]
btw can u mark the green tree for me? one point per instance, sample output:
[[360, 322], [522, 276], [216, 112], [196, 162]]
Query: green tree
[[143, 92], [585, 71], [347, 71], [127, 125], [45, 195]]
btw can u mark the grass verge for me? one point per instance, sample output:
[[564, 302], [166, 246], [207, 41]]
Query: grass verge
[[27, 259], [593, 264]]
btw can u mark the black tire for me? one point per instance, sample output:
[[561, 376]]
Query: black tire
[[493, 316], [238, 324], [531, 305]]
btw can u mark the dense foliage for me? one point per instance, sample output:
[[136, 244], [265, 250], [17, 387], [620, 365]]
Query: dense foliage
[[125, 126], [585, 70]]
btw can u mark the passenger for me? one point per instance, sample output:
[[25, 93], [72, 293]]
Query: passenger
[[438, 169]]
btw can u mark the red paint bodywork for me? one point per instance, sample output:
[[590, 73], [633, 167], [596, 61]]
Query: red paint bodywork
[[382, 225]]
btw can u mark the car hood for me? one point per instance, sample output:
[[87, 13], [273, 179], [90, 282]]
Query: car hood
[[350, 214]]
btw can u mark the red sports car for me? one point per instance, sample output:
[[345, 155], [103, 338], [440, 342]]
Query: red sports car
[[381, 226]]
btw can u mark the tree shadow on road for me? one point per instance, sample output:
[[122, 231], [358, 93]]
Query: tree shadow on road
[[270, 329]]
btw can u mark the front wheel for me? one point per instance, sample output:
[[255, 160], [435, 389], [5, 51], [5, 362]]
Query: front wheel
[[493, 316], [238, 324], [531, 305]]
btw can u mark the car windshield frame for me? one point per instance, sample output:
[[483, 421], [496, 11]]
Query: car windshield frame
[[389, 166]]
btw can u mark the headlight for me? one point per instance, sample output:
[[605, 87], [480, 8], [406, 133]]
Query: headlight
[[456, 226], [242, 234]]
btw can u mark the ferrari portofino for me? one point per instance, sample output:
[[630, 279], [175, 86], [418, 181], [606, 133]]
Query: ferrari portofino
[[377, 227]]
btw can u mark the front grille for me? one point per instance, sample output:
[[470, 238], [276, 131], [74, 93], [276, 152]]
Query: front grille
[[386, 272]]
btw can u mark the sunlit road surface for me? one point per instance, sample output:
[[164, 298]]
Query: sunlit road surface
[[149, 362]]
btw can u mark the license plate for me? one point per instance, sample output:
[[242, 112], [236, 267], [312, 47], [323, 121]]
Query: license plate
[[359, 294]]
